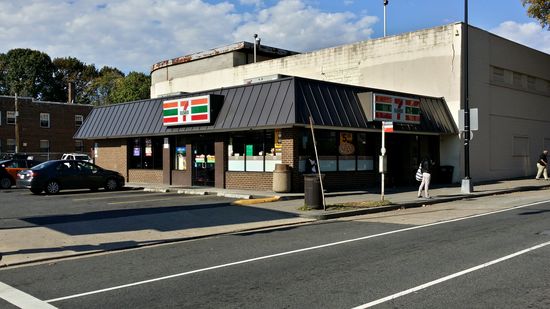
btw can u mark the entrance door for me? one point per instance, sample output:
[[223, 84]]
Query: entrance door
[[204, 163]]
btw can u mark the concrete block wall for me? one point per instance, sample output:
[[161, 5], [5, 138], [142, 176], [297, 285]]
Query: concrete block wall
[[249, 180]]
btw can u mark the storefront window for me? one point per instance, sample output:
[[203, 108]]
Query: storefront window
[[145, 153], [253, 152], [337, 151]]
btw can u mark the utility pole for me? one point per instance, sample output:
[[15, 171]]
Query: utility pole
[[16, 124], [467, 181]]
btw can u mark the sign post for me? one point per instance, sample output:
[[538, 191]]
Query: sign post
[[387, 126]]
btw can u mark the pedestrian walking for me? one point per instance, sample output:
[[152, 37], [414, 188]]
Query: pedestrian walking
[[542, 165], [426, 167]]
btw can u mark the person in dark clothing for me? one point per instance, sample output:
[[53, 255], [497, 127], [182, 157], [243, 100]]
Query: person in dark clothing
[[426, 167], [542, 165]]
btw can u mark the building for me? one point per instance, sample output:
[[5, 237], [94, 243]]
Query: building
[[233, 137], [46, 129], [509, 85]]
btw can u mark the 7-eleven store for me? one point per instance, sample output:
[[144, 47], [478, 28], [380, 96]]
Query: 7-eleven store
[[235, 137]]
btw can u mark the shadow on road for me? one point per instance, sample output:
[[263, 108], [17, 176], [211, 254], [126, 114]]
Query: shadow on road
[[168, 218]]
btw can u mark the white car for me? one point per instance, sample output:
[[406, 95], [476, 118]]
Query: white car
[[76, 157]]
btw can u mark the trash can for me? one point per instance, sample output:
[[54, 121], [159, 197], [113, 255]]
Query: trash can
[[281, 178], [446, 174], [313, 197]]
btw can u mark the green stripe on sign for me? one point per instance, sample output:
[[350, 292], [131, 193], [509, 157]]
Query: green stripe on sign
[[199, 109], [383, 107], [412, 110], [170, 112]]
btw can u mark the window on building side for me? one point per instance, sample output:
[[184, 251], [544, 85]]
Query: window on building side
[[44, 145], [10, 117], [78, 145], [531, 83], [44, 120], [498, 74], [517, 79], [10, 145], [78, 119]]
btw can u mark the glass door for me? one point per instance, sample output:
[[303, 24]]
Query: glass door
[[204, 163]]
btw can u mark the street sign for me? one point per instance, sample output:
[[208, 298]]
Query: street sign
[[387, 126]]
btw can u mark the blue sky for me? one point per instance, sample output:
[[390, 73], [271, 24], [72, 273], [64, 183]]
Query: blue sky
[[132, 35]]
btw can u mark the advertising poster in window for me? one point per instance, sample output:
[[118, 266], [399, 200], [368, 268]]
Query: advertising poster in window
[[148, 147], [346, 146], [137, 148], [181, 163], [249, 150]]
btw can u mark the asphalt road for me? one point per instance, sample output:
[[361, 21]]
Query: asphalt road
[[497, 260]]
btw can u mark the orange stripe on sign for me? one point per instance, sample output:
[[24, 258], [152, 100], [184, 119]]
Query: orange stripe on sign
[[199, 101], [170, 104], [412, 103]]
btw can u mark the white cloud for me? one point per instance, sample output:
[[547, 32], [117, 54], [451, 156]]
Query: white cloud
[[530, 34], [290, 24], [135, 34]]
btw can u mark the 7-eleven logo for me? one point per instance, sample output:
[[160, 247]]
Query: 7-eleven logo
[[186, 111]]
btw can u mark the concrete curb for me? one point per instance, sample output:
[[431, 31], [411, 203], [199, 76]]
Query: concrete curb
[[253, 201]]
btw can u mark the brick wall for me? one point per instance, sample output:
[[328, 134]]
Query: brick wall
[[59, 134], [145, 176], [249, 181], [112, 155]]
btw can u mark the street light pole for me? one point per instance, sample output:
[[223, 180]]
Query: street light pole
[[16, 124], [467, 181], [385, 4]]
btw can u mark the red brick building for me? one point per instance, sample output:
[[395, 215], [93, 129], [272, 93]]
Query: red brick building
[[46, 129]]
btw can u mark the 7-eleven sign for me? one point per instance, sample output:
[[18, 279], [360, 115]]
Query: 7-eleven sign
[[186, 111], [396, 109]]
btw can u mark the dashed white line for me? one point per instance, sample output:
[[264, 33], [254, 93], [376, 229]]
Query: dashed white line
[[21, 299], [287, 253], [449, 277]]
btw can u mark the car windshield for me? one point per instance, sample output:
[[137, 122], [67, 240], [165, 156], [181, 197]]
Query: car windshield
[[81, 157]]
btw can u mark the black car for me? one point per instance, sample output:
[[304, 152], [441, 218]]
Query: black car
[[53, 176], [5, 178]]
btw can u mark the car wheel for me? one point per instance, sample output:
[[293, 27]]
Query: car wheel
[[52, 187], [5, 183], [36, 191], [111, 184]]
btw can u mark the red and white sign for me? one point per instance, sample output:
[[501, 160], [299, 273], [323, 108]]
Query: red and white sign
[[387, 126], [397, 109]]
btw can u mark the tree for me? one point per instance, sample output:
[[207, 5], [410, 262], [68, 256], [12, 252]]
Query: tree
[[28, 73], [540, 10], [102, 86], [71, 70], [135, 86]]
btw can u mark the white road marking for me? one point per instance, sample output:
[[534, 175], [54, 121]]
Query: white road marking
[[449, 277], [288, 253], [118, 196], [21, 299]]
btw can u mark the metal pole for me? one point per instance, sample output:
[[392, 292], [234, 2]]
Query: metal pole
[[16, 124], [255, 37], [385, 4], [318, 165], [381, 168], [466, 182]]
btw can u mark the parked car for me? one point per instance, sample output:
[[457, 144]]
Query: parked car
[[13, 166], [76, 157], [5, 179], [53, 176]]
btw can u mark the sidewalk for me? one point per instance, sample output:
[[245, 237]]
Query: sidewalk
[[264, 210]]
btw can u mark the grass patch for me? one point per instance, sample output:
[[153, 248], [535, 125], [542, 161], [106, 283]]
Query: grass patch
[[358, 205], [351, 205]]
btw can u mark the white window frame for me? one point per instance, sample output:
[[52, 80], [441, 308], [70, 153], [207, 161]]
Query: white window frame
[[45, 117], [78, 120], [10, 115], [43, 142]]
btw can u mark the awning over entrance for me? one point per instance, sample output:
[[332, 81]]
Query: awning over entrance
[[285, 102]]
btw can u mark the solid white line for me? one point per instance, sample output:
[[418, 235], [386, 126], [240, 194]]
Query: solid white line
[[118, 196], [21, 299], [142, 201], [449, 277], [289, 253]]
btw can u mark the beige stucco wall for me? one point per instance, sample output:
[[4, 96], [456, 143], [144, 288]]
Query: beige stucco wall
[[428, 62]]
